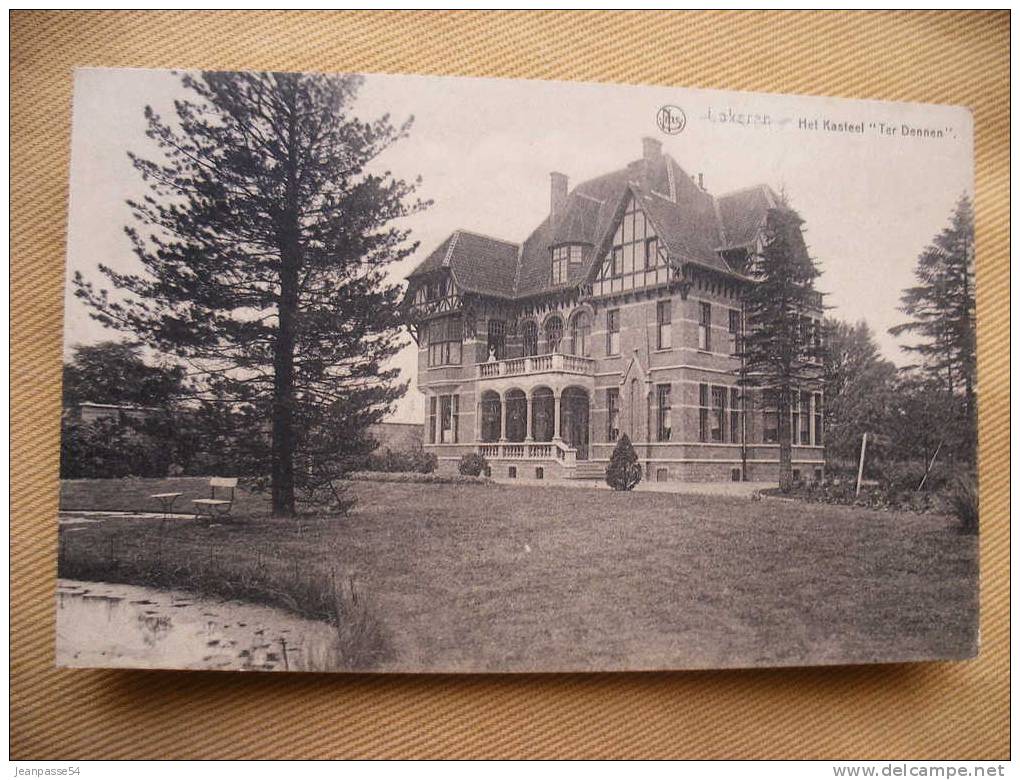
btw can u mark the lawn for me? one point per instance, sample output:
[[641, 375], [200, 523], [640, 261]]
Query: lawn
[[510, 578]]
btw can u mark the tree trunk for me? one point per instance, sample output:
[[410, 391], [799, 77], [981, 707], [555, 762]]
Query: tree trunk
[[785, 444]]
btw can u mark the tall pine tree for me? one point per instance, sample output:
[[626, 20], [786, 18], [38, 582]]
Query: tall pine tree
[[941, 308], [264, 245], [781, 351]]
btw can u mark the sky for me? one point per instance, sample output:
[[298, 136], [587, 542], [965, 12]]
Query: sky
[[871, 200]]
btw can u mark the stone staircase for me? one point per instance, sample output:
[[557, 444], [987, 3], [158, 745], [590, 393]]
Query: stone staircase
[[586, 469]]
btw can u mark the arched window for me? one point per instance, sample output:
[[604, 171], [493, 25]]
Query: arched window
[[530, 334], [553, 334], [497, 339], [492, 416], [580, 330]]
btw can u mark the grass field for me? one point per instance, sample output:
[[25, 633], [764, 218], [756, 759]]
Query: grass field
[[503, 578]]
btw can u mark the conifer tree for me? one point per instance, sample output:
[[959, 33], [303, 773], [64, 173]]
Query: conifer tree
[[623, 471], [941, 308], [780, 350], [264, 244]]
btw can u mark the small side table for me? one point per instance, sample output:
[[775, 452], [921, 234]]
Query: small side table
[[166, 502]]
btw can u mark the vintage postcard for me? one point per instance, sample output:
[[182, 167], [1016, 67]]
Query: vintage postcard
[[411, 374]]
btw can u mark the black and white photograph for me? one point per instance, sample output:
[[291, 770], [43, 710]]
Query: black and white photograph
[[394, 373]]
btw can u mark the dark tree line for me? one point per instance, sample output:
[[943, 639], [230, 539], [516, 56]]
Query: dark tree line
[[927, 406]]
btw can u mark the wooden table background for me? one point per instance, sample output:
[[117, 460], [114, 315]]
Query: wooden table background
[[893, 711]]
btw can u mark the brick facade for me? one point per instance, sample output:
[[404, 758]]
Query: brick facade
[[627, 320]]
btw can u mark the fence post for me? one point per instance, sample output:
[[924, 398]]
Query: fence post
[[860, 467]]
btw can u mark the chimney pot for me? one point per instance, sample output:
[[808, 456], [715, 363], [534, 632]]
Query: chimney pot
[[557, 194], [701, 181], [651, 148]]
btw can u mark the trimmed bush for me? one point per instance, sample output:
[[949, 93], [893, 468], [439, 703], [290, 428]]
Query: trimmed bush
[[624, 471], [472, 465]]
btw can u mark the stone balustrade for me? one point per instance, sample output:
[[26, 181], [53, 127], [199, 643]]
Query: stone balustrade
[[529, 450], [537, 364]]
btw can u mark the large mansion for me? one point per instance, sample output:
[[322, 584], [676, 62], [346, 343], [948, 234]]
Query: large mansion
[[620, 313]]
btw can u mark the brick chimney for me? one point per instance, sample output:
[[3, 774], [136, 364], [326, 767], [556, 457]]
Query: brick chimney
[[557, 195], [651, 148]]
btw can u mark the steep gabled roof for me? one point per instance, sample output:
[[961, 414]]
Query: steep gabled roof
[[693, 226], [742, 212], [480, 264], [437, 258]]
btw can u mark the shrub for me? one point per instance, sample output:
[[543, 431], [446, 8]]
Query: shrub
[[624, 471], [963, 500], [473, 465], [902, 476], [388, 460], [108, 448]]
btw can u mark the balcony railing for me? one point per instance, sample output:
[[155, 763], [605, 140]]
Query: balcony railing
[[529, 450], [537, 364]]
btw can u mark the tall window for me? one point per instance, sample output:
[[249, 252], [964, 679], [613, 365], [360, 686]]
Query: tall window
[[735, 345], [530, 335], [794, 417], [565, 260], [705, 327], [651, 253], [445, 341], [448, 418], [492, 416], [718, 430], [664, 326], [432, 419], [497, 338], [613, 332], [580, 330], [734, 416], [702, 412], [805, 418], [664, 413], [818, 419], [553, 334], [613, 409], [770, 417]]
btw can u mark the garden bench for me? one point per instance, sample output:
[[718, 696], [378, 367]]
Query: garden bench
[[216, 507]]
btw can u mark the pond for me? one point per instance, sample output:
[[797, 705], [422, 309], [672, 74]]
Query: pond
[[108, 625]]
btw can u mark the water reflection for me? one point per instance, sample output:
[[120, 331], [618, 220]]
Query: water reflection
[[100, 624]]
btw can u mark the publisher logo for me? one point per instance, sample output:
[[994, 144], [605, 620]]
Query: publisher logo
[[671, 119]]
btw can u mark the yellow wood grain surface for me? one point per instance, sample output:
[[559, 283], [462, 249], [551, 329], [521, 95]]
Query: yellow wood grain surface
[[893, 711]]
